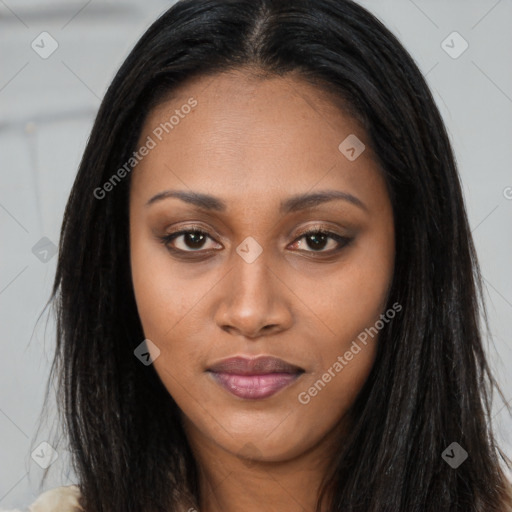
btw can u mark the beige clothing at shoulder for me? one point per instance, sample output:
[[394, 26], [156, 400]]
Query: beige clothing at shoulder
[[60, 499]]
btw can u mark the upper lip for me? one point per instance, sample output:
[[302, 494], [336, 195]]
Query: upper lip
[[254, 366]]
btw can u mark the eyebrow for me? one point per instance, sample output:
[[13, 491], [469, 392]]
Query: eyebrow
[[292, 204]]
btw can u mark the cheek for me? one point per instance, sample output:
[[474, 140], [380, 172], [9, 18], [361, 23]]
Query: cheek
[[162, 295], [169, 305], [349, 308], [350, 300]]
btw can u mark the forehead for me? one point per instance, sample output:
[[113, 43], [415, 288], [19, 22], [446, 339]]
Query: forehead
[[250, 134]]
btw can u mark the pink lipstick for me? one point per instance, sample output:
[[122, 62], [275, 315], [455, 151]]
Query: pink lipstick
[[254, 378]]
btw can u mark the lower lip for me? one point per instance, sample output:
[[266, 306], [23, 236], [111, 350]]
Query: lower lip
[[254, 386]]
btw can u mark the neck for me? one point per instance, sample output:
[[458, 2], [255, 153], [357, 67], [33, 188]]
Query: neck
[[229, 482]]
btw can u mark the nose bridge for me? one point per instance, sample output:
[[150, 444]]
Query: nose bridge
[[251, 297], [251, 260], [251, 278]]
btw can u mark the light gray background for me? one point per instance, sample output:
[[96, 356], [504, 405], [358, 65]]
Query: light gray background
[[47, 108]]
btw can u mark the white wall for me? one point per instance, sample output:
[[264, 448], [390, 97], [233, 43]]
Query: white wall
[[47, 108]]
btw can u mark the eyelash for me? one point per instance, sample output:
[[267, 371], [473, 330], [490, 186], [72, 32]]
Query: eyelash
[[341, 240]]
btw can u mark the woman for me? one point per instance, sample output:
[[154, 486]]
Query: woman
[[267, 292]]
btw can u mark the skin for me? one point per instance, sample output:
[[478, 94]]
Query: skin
[[253, 143]]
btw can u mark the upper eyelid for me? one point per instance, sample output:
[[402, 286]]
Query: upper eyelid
[[318, 226]]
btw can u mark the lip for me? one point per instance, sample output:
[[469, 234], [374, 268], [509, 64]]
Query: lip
[[254, 366], [254, 378]]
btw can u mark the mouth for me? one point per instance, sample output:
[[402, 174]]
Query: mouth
[[254, 378]]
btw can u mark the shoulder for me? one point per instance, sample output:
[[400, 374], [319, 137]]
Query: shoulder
[[60, 499]]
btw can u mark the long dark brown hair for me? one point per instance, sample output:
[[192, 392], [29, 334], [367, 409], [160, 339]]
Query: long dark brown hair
[[430, 385]]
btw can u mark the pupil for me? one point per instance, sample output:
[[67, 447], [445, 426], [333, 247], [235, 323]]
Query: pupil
[[195, 238], [316, 244]]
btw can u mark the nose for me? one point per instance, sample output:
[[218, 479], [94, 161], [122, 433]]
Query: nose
[[254, 302]]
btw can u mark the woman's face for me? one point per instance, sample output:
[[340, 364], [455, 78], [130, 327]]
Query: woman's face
[[253, 284]]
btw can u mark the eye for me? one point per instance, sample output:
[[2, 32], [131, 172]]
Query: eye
[[193, 240], [318, 239], [186, 240]]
